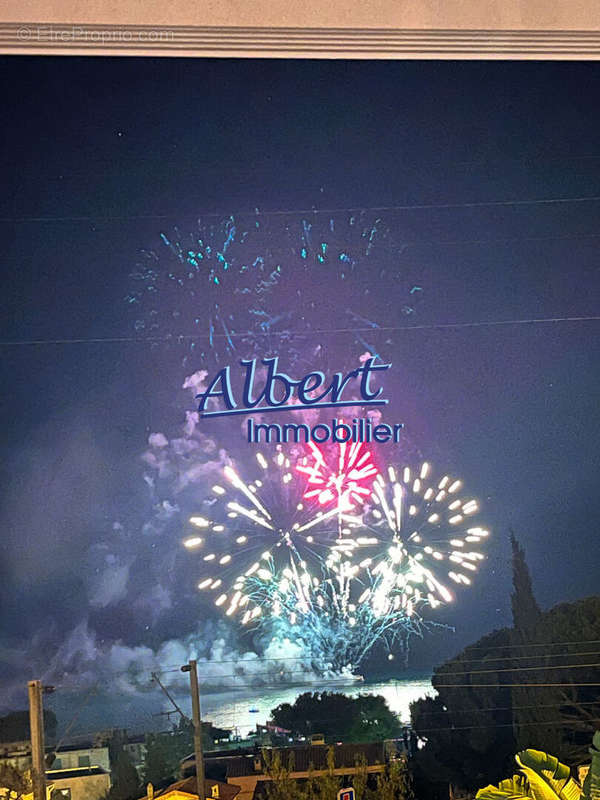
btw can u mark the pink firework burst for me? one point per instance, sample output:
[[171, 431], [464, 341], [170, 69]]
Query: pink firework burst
[[343, 474]]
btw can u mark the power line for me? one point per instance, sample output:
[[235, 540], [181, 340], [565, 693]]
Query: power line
[[445, 673], [528, 658], [314, 211], [240, 660], [278, 334], [534, 644], [499, 240], [75, 716], [504, 725], [507, 708], [508, 685], [441, 675], [173, 668]]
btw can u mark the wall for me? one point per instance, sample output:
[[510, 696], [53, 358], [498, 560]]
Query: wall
[[70, 758], [87, 787], [370, 29]]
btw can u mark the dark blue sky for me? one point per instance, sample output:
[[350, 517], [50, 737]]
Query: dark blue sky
[[102, 155]]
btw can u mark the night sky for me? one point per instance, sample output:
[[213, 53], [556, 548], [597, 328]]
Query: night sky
[[100, 156]]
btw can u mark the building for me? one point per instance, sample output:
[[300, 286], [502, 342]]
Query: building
[[186, 789], [91, 783], [83, 754], [135, 747], [79, 783], [249, 772], [16, 754]]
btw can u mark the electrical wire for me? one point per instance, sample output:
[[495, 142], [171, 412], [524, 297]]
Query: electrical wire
[[173, 668], [445, 673], [508, 685], [507, 708], [316, 211], [505, 725], [286, 334], [533, 644], [524, 658]]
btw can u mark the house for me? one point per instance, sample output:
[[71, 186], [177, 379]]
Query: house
[[135, 747], [16, 754], [250, 774], [79, 783], [186, 789], [91, 783], [83, 754]]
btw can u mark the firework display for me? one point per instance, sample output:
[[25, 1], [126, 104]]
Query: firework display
[[242, 286], [180, 293], [330, 551], [340, 474], [263, 543], [322, 545], [420, 534]]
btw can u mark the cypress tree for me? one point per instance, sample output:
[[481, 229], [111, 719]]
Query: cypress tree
[[525, 610]]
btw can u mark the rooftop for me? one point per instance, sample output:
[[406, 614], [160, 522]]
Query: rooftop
[[305, 757], [76, 772], [226, 791]]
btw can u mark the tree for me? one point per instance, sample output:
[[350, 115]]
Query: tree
[[373, 720], [364, 718], [281, 786], [471, 730], [544, 777], [159, 769], [564, 715], [14, 727], [525, 610], [533, 708], [125, 780], [395, 783], [468, 727], [13, 782], [166, 750]]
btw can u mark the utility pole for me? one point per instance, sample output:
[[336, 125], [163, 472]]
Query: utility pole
[[176, 708], [192, 668], [36, 725]]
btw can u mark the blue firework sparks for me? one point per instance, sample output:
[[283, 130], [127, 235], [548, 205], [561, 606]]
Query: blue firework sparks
[[268, 283]]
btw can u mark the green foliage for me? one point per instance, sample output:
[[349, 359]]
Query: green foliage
[[394, 783], [125, 780], [365, 718], [16, 783], [165, 751], [468, 728], [471, 731], [533, 708], [591, 784], [14, 727], [159, 765], [544, 777], [525, 610], [281, 786]]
